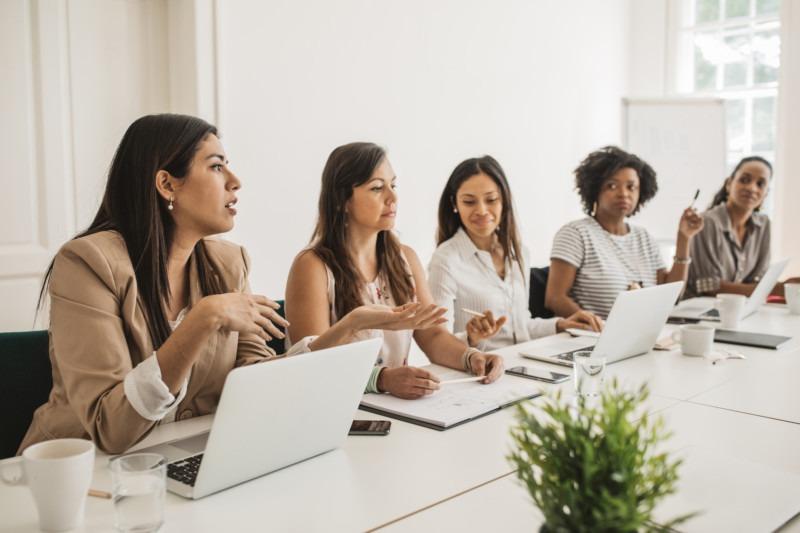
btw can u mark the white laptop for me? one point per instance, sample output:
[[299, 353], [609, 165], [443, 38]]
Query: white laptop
[[632, 328], [702, 308], [272, 415]]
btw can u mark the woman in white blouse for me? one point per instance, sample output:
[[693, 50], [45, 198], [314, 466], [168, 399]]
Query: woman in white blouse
[[479, 264]]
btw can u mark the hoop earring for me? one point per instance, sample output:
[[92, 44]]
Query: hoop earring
[[171, 200]]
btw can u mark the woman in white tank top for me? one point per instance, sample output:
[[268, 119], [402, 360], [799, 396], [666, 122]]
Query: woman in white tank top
[[356, 280]]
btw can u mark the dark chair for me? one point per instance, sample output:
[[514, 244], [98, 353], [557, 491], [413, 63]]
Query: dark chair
[[278, 344], [25, 382], [538, 286]]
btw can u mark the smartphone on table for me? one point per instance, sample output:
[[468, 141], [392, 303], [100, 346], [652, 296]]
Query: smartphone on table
[[370, 427], [538, 373]]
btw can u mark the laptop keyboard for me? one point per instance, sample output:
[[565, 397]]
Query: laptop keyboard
[[185, 470]]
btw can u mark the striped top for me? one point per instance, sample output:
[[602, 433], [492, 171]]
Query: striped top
[[607, 264], [462, 276]]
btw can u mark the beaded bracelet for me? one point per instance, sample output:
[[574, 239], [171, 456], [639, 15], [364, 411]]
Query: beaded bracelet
[[466, 358]]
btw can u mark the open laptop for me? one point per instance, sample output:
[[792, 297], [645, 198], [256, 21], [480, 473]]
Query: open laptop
[[632, 328], [272, 415], [702, 308]]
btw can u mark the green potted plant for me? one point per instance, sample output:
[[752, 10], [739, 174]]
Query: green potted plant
[[592, 466]]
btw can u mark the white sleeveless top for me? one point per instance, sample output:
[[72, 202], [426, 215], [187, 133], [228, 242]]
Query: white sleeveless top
[[396, 344]]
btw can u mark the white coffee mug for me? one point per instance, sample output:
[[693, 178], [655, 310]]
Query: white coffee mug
[[695, 339], [58, 473], [730, 307], [792, 293]]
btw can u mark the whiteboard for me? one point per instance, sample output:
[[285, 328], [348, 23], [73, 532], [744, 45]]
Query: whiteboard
[[684, 141]]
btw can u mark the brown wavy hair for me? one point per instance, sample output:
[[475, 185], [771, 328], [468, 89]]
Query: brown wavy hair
[[450, 221], [132, 207], [347, 167]]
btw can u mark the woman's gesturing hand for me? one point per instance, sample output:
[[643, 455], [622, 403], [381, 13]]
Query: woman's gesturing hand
[[483, 327], [246, 313], [409, 316]]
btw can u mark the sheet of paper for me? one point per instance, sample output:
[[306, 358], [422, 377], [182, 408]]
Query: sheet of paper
[[457, 402]]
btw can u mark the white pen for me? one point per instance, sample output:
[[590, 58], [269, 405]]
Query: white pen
[[461, 380], [473, 313]]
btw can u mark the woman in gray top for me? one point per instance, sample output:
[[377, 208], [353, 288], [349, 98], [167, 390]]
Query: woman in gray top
[[731, 253]]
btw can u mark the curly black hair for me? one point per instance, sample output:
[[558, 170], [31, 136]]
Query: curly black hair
[[601, 164]]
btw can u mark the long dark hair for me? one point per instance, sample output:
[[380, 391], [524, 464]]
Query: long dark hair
[[349, 166], [722, 195], [450, 221], [133, 208]]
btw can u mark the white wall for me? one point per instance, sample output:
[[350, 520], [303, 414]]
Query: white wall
[[536, 84], [75, 74], [653, 74], [787, 242]]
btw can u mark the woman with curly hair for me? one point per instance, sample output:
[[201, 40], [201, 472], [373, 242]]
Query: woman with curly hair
[[597, 257]]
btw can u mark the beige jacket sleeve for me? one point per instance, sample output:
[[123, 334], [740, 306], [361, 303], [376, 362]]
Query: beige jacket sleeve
[[89, 340]]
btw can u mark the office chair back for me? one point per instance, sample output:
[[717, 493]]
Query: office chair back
[[278, 344], [538, 286], [25, 382]]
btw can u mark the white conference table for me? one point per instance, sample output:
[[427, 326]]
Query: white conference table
[[741, 445]]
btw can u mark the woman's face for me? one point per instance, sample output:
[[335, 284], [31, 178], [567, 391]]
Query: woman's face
[[480, 205], [374, 202], [205, 197], [619, 194], [749, 185]]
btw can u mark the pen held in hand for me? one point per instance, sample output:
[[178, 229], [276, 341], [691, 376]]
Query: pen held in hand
[[461, 380], [473, 313], [696, 195]]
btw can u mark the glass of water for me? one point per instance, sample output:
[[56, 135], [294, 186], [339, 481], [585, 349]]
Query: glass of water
[[138, 487], [589, 373]]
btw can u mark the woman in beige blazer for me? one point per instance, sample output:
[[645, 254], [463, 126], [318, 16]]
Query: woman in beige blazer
[[148, 314]]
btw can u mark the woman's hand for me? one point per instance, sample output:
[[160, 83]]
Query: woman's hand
[[409, 316], [245, 313], [483, 327], [486, 364], [691, 223], [407, 382], [581, 320]]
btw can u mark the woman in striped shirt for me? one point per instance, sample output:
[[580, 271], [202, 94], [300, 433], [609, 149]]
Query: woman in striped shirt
[[597, 257], [480, 265]]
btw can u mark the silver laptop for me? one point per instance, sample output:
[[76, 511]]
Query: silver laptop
[[631, 329], [702, 308], [272, 415]]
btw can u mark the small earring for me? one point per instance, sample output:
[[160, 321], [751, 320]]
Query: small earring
[[594, 208], [170, 206], [455, 210]]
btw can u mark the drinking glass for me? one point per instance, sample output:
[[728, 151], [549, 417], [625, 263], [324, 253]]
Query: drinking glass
[[138, 487], [589, 373]]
